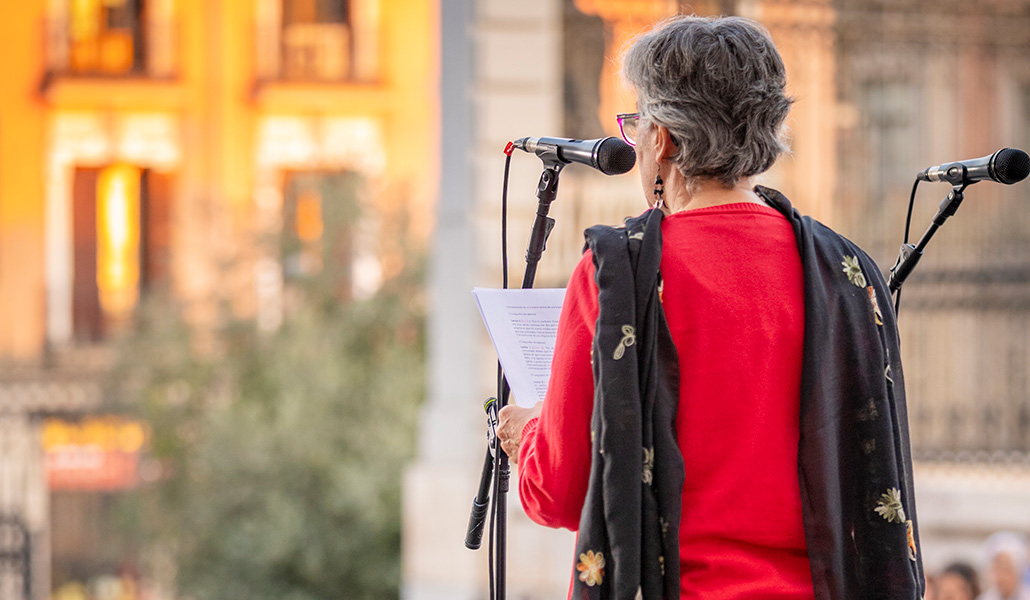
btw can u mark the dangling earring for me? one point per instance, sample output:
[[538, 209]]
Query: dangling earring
[[659, 192]]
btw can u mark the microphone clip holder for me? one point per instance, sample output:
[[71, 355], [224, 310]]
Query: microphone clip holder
[[481, 502], [546, 192], [910, 254], [490, 406]]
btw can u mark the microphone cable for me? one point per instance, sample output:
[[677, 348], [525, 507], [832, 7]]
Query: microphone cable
[[504, 216], [500, 374], [904, 242]]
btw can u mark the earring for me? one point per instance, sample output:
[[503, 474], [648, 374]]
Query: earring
[[659, 191]]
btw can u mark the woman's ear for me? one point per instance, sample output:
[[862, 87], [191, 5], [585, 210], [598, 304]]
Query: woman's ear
[[664, 146]]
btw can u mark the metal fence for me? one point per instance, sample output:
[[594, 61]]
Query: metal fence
[[15, 558]]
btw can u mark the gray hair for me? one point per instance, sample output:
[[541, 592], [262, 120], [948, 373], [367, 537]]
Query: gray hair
[[718, 85]]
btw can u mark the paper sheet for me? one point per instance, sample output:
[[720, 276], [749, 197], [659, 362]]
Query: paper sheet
[[523, 325]]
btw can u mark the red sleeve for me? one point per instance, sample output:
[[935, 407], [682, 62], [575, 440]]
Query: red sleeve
[[554, 456]]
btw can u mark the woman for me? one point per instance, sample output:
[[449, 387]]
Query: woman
[[958, 581], [1007, 564], [726, 416]]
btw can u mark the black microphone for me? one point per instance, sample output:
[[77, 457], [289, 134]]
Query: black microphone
[[1007, 166], [609, 155]]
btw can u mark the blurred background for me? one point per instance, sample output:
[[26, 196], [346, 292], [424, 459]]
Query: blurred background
[[239, 356]]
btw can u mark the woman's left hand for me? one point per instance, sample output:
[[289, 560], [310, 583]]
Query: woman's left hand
[[511, 420]]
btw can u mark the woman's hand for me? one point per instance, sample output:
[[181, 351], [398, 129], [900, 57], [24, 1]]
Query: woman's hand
[[510, 422]]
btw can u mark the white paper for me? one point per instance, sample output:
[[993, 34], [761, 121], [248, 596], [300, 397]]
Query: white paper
[[523, 325]]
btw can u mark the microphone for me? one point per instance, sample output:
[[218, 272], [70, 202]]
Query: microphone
[[609, 155], [1008, 166]]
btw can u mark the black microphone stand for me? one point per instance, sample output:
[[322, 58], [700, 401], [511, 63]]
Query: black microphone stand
[[495, 465], [909, 256]]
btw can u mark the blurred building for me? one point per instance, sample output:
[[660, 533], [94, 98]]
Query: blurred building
[[154, 147], [884, 89]]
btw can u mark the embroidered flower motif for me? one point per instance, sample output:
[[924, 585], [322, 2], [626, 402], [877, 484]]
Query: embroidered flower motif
[[890, 506], [876, 306], [591, 568], [854, 271], [911, 539], [648, 473], [868, 412], [869, 446], [629, 337]]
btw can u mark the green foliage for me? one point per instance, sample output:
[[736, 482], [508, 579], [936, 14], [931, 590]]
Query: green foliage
[[277, 458]]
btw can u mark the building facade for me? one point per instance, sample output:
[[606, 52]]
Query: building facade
[[882, 90], [152, 147]]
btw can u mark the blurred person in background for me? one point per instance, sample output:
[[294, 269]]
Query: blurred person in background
[[1006, 562], [958, 581], [748, 436]]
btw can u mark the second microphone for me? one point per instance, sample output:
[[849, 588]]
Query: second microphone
[[609, 155]]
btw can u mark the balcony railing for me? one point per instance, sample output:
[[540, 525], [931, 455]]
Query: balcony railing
[[978, 431], [147, 50], [967, 362], [315, 53]]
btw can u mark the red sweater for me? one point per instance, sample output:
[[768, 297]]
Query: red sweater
[[733, 298]]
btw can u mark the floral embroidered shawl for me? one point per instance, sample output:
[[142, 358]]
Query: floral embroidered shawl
[[628, 542], [854, 460]]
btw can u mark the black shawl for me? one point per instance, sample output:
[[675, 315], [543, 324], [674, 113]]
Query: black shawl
[[854, 461]]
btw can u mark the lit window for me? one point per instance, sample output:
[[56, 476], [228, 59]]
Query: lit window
[[118, 237], [320, 229], [121, 238], [105, 36]]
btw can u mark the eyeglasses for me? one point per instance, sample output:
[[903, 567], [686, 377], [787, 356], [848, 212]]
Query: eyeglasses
[[628, 127]]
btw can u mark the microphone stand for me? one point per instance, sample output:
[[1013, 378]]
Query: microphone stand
[[495, 465], [909, 256]]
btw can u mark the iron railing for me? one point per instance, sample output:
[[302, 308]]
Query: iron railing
[[314, 53], [15, 558], [149, 48]]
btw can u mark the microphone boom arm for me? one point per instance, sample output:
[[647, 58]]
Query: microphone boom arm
[[909, 256]]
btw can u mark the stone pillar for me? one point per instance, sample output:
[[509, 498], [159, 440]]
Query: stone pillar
[[440, 484]]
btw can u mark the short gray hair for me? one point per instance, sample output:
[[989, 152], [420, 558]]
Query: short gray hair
[[718, 85]]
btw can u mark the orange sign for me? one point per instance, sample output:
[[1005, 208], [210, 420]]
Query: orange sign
[[95, 454]]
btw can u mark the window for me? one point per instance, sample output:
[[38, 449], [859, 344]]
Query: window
[[583, 62], [320, 223], [316, 11], [326, 40], [105, 37], [888, 108], [121, 244]]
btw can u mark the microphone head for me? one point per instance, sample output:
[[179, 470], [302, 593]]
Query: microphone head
[[615, 157], [1010, 165]]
